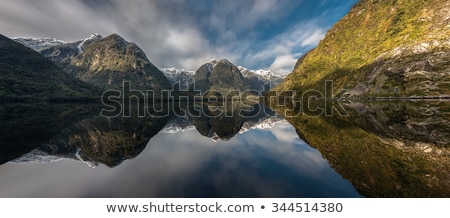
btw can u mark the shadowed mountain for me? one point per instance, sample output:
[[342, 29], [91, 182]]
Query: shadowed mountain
[[221, 78], [201, 82], [24, 127], [224, 121], [109, 141], [26, 75], [226, 77]]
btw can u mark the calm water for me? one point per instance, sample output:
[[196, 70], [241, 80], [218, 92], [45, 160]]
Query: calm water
[[377, 150]]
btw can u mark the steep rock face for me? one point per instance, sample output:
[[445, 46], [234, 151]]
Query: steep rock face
[[201, 77], [227, 77], [382, 48], [25, 74], [223, 77], [111, 60], [63, 54]]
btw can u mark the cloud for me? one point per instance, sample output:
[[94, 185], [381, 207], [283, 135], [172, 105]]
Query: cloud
[[282, 52], [260, 163], [178, 33], [314, 38], [283, 64]]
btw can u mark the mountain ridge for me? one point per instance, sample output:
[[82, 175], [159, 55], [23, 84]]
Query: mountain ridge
[[63, 53], [105, 62]]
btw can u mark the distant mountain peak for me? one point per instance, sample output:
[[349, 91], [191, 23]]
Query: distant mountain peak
[[257, 79], [39, 44]]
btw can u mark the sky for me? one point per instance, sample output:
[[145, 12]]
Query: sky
[[257, 34]]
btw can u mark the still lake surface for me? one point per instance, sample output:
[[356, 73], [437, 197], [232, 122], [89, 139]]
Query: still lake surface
[[376, 150]]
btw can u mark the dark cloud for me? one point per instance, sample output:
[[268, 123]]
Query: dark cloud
[[178, 33]]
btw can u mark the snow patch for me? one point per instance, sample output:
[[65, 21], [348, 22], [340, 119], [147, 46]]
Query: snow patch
[[91, 164], [37, 156], [93, 37], [39, 44]]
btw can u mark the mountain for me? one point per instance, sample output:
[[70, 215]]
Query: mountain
[[39, 44], [58, 51], [105, 62], [111, 60], [201, 77], [261, 79], [96, 139], [184, 77], [385, 148], [27, 125], [382, 48], [224, 76], [223, 126], [25, 74]]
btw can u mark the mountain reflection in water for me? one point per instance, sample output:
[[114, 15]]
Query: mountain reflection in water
[[381, 150], [386, 149]]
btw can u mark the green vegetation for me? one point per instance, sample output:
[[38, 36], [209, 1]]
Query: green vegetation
[[385, 149], [378, 34]]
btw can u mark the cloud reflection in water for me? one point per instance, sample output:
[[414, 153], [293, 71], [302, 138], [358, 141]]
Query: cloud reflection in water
[[259, 163]]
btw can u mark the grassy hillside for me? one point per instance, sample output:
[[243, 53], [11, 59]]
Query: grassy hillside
[[358, 52]]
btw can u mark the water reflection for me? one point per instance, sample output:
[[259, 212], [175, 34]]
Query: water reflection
[[191, 156], [386, 149], [396, 149], [23, 127]]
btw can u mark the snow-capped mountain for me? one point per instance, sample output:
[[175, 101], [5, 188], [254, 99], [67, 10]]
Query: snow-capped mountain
[[266, 123], [262, 74], [58, 51], [94, 37], [174, 75], [187, 123], [260, 79], [39, 44], [178, 124], [37, 156]]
